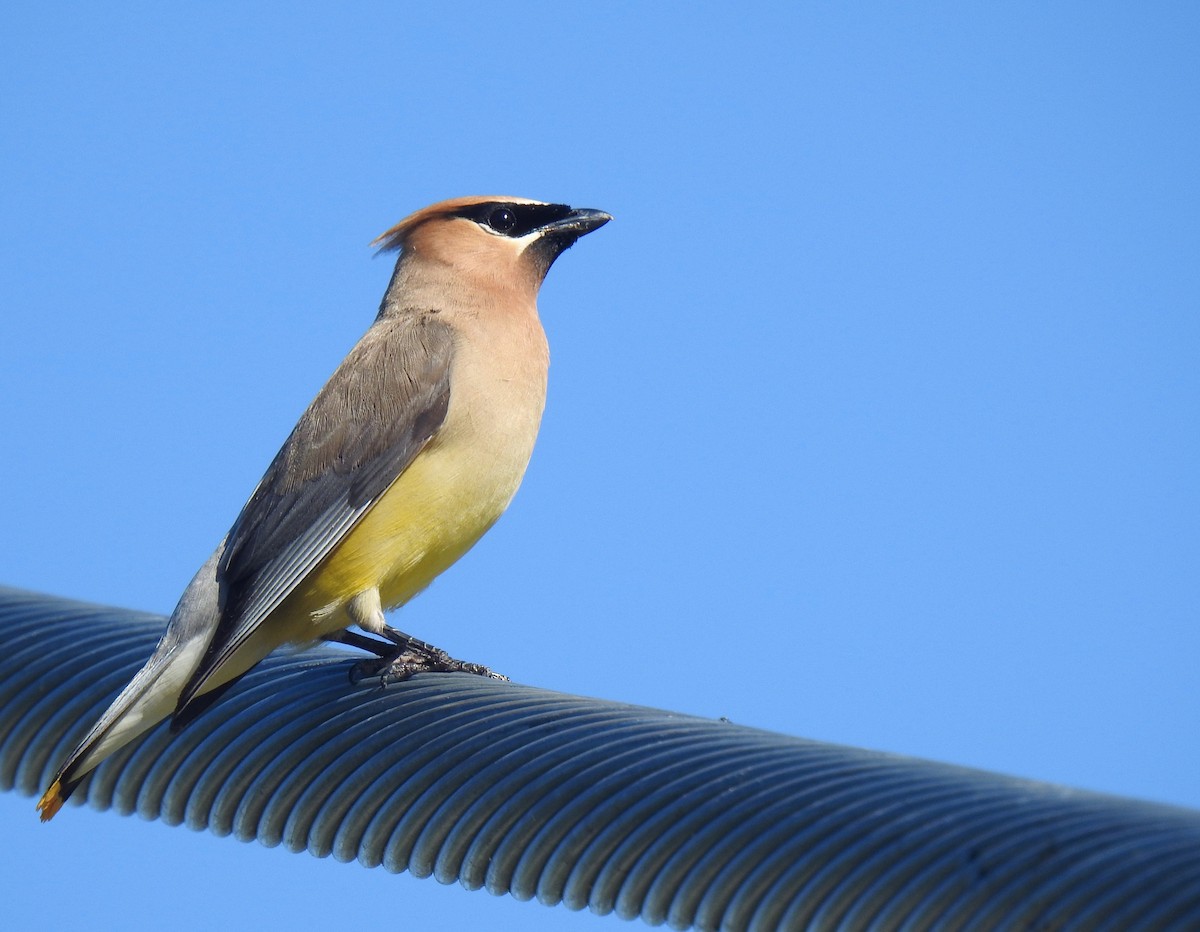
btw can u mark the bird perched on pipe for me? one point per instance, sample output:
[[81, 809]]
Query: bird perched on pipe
[[411, 451]]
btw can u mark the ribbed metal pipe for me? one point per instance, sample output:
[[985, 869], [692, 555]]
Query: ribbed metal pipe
[[614, 807]]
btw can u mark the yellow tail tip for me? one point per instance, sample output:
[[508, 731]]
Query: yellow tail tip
[[52, 800]]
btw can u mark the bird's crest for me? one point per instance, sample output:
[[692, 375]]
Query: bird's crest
[[395, 239]]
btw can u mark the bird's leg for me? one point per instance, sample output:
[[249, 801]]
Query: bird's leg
[[406, 643], [407, 657], [381, 648], [417, 656], [364, 669]]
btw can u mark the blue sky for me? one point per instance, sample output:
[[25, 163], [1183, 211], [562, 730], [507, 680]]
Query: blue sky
[[872, 418]]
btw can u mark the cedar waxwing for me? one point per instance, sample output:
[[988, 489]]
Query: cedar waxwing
[[411, 451]]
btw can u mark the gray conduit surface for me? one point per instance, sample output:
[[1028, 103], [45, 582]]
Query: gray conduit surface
[[617, 808]]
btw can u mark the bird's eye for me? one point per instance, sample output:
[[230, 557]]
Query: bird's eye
[[502, 220]]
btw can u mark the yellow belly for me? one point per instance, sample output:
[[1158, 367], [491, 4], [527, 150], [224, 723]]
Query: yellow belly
[[427, 519]]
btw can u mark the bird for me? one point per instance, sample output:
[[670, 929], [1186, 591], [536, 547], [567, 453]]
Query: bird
[[408, 455]]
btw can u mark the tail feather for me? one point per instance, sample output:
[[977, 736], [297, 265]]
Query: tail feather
[[52, 800], [152, 693], [148, 698]]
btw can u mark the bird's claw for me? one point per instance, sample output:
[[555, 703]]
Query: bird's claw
[[409, 663]]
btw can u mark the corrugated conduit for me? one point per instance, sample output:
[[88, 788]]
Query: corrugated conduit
[[618, 808]]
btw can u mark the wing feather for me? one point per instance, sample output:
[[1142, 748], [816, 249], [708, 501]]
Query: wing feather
[[375, 414]]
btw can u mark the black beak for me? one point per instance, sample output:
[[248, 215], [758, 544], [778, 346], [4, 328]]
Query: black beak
[[579, 222], [557, 236]]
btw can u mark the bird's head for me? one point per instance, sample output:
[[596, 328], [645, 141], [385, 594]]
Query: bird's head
[[491, 238]]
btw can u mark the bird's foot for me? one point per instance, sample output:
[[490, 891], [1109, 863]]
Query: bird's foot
[[408, 663]]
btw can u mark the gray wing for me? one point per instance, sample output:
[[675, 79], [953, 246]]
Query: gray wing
[[374, 415]]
